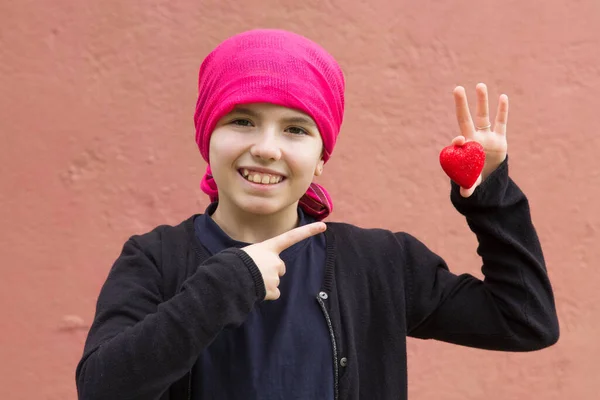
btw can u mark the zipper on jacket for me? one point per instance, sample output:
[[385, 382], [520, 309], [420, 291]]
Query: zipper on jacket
[[331, 334]]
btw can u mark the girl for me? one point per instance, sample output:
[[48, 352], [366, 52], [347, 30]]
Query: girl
[[258, 299]]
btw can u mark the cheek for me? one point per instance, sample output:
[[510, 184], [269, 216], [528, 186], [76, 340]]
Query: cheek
[[303, 161], [223, 147], [222, 154]]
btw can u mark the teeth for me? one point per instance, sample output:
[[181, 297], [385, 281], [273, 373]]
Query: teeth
[[265, 179]]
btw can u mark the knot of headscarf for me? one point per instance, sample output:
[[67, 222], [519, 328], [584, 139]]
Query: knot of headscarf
[[278, 67]]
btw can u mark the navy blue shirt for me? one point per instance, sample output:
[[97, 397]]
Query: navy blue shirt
[[283, 350]]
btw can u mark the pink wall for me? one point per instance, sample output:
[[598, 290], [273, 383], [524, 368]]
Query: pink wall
[[96, 102]]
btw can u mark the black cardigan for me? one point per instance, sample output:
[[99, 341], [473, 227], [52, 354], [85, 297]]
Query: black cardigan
[[165, 300]]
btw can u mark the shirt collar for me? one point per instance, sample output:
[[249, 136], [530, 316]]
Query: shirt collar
[[216, 240]]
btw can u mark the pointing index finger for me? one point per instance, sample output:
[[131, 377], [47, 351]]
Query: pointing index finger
[[296, 235]]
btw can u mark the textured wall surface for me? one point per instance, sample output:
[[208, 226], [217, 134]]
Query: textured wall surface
[[96, 144]]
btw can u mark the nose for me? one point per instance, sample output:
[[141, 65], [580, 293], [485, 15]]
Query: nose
[[266, 146]]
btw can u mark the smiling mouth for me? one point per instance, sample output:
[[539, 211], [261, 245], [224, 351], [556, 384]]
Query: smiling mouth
[[260, 178]]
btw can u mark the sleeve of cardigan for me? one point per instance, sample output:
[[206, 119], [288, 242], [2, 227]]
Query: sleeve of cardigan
[[513, 308], [138, 344]]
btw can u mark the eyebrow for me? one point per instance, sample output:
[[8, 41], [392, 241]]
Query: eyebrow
[[300, 120], [289, 120]]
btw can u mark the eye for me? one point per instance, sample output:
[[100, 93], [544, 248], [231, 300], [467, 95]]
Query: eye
[[294, 130], [241, 122]]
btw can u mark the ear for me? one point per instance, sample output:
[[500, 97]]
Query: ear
[[319, 168]]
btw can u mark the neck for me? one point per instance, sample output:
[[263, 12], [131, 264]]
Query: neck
[[253, 228]]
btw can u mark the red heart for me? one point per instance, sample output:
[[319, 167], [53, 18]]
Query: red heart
[[463, 164]]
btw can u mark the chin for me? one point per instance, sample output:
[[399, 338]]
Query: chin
[[262, 206]]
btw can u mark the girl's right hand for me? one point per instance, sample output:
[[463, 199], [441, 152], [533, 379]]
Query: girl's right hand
[[266, 255]]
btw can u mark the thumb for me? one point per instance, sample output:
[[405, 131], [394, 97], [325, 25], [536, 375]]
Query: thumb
[[459, 141]]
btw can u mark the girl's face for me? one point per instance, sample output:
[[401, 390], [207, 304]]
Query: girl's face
[[263, 157]]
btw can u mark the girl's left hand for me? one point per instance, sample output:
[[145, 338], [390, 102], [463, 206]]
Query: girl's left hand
[[493, 140]]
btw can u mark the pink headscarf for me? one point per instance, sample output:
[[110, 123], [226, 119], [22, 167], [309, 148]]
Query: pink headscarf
[[278, 67]]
